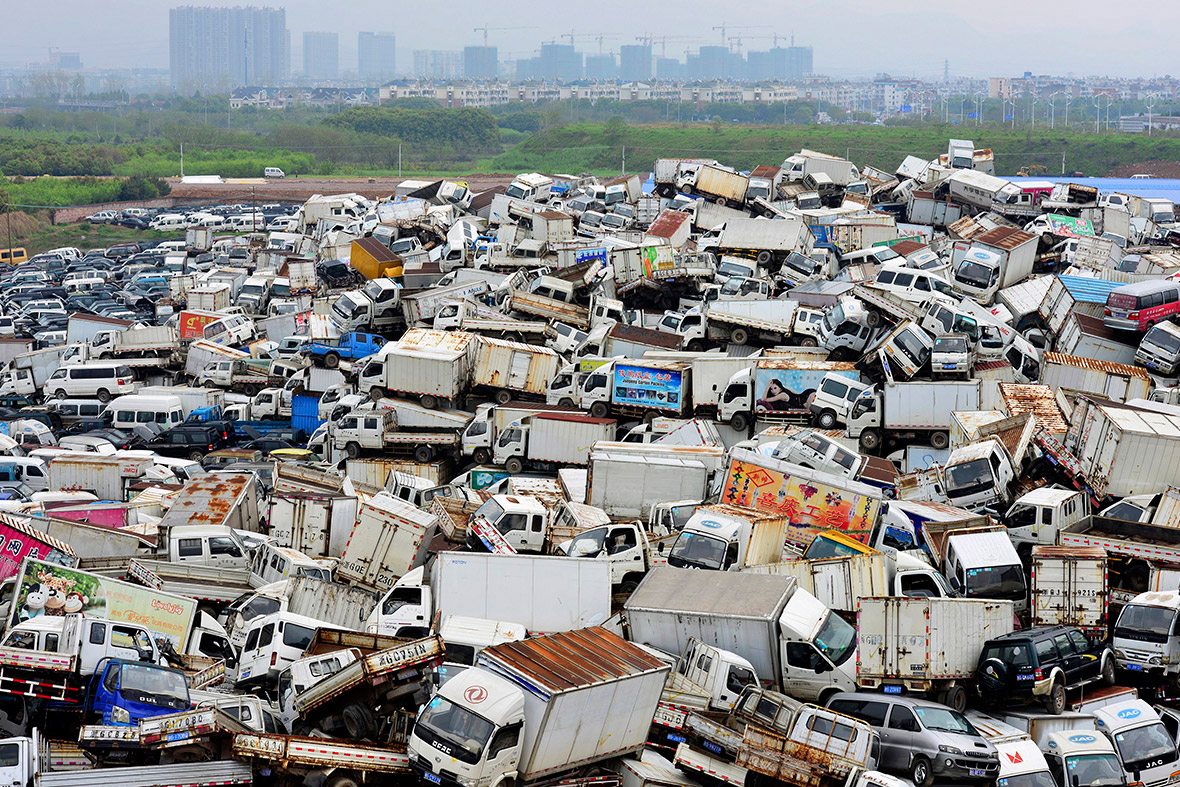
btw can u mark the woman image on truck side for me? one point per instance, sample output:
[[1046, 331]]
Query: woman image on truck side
[[777, 397]]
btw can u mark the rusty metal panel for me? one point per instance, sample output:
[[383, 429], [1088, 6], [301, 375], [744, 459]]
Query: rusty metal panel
[[574, 659]]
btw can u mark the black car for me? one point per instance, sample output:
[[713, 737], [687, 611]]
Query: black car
[[189, 441], [1042, 664], [337, 273], [267, 444]]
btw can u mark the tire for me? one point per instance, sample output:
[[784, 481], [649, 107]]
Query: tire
[[628, 586], [740, 422], [353, 450], [939, 440], [764, 258], [809, 342], [956, 698], [566, 402], [873, 317], [1055, 701], [870, 439], [195, 456], [599, 410], [423, 454], [331, 360], [376, 392], [696, 346], [358, 721], [249, 389], [481, 456], [60, 393], [920, 772], [341, 781], [429, 401], [722, 201], [103, 395], [503, 396], [827, 420], [739, 336], [514, 465], [1108, 675]]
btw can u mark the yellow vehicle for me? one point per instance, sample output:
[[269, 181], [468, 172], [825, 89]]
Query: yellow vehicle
[[291, 455], [14, 256]]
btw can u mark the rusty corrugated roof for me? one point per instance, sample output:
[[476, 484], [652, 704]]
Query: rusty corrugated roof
[[793, 363], [667, 224], [574, 659], [1090, 553], [633, 333], [375, 249], [1110, 367], [908, 247], [1006, 238], [1037, 400]]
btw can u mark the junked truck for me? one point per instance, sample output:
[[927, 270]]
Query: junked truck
[[776, 390]]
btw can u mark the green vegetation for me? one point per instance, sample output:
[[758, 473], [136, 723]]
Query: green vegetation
[[600, 147], [84, 236]]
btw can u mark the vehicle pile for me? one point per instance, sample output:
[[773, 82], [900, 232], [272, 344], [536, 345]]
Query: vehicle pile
[[809, 475]]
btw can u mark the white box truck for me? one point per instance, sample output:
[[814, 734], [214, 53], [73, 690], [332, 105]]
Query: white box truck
[[1122, 450], [1069, 587], [550, 440], [915, 411], [436, 372], [626, 485], [390, 539]]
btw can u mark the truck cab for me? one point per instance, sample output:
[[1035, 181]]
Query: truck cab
[[624, 545], [717, 677], [1143, 743], [121, 693], [1147, 636], [1159, 350], [905, 351], [521, 520], [845, 330], [272, 643], [303, 674], [978, 475], [952, 356], [717, 541], [986, 565], [1071, 757], [1037, 516], [977, 274], [463, 639], [90, 639]]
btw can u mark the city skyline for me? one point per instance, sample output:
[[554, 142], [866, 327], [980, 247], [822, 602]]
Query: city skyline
[[1092, 39]]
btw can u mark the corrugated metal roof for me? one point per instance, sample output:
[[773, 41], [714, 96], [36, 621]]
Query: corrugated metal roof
[[633, 333], [765, 171], [375, 249], [1094, 326], [574, 659], [1007, 238], [1110, 367], [667, 224], [792, 363], [735, 593], [532, 348], [908, 247], [1071, 551], [1037, 400], [1087, 289], [983, 366]]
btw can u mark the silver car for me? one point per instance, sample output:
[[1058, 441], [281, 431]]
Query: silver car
[[922, 739]]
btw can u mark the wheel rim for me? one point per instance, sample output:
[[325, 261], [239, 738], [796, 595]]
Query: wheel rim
[[920, 772], [827, 420]]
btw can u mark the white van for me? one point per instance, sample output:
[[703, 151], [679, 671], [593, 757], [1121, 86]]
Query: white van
[[169, 221], [915, 285], [235, 330], [101, 380], [273, 643], [27, 471], [163, 411], [84, 285], [75, 409], [272, 563], [273, 172], [246, 221], [170, 245]]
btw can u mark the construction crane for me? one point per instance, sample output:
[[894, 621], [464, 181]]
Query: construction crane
[[663, 41], [723, 27], [485, 30]]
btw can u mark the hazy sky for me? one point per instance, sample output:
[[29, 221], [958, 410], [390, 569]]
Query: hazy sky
[[850, 37]]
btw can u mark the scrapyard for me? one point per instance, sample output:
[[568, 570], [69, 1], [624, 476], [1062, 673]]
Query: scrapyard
[[815, 475]]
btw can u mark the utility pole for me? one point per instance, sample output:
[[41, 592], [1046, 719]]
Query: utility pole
[[181, 159], [623, 171], [8, 212], [399, 159]]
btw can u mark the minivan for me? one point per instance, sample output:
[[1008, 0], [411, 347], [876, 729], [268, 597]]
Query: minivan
[[1138, 306], [14, 256], [100, 380], [915, 285], [163, 411], [169, 221], [272, 563], [72, 410], [273, 172], [236, 330], [273, 643]]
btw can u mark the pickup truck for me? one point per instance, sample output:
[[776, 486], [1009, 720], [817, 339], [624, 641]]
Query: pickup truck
[[347, 761], [703, 679], [361, 697], [249, 376], [377, 431], [219, 585], [348, 346]]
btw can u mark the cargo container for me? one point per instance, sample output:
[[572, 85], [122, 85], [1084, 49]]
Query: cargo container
[[625, 485], [722, 186], [508, 369], [1105, 380], [927, 646], [766, 241], [436, 370], [550, 440], [1069, 587], [839, 582], [210, 297], [578, 699], [994, 260], [229, 499], [710, 376], [770, 322], [421, 306], [316, 524], [390, 538], [82, 327], [108, 477], [911, 411], [1088, 337], [776, 389]]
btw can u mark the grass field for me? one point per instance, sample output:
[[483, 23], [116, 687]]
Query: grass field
[[84, 236], [595, 148]]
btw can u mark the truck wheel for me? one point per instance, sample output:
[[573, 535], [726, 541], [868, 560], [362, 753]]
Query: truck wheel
[[353, 450], [599, 410], [956, 698], [722, 201], [740, 422], [939, 440], [103, 395], [503, 396], [1055, 701], [341, 781], [376, 392], [870, 439], [920, 773], [739, 336], [482, 456], [827, 419], [566, 402], [359, 722], [696, 345], [423, 454], [60, 394], [331, 360], [514, 465], [103, 356], [873, 317], [249, 389], [809, 342], [764, 257], [429, 402]]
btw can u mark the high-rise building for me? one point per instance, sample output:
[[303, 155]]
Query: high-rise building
[[561, 61], [481, 62], [321, 55], [376, 56], [601, 67], [669, 68], [799, 62], [437, 64], [223, 48], [635, 62]]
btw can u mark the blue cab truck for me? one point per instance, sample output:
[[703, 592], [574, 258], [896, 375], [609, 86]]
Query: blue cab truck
[[348, 347]]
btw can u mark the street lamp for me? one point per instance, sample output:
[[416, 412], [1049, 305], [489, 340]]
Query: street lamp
[[1097, 111], [1032, 111], [1068, 101], [1150, 106]]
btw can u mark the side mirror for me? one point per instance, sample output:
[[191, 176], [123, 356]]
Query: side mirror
[[956, 585], [660, 548]]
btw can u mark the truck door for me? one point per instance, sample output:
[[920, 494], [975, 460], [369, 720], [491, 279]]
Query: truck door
[[624, 552]]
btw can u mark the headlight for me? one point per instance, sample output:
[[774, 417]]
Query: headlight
[[1118, 654], [120, 715], [1154, 660], [949, 750], [465, 781]]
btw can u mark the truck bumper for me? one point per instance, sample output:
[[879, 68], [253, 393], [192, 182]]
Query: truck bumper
[[962, 768]]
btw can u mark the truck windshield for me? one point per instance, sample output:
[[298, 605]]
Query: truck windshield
[[996, 582], [154, 686], [1145, 624], [1095, 770], [836, 639], [516, 192], [833, 318], [974, 274], [1146, 746], [490, 510], [821, 548], [1166, 341], [453, 730], [695, 550], [919, 353], [800, 264], [734, 269], [950, 345], [968, 478]]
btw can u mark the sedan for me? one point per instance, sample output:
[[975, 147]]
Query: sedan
[[267, 444]]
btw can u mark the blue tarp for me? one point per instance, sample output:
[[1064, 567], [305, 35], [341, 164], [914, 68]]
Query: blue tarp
[[1089, 290]]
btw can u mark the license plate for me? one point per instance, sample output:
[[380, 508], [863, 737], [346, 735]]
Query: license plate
[[713, 747], [949, 365], [430, 777], [676, 738], [892, 690], [1135, 667], [176, 736], [977, 772]]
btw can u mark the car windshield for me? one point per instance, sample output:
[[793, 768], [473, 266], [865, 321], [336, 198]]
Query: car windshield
[[1093, 770], [1034, 779], [1144, 623], [974, 274], [154, 686], [693, 550], [836, 639], [1165, 340], [944, 720], [1139, 746], [455, 731]]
